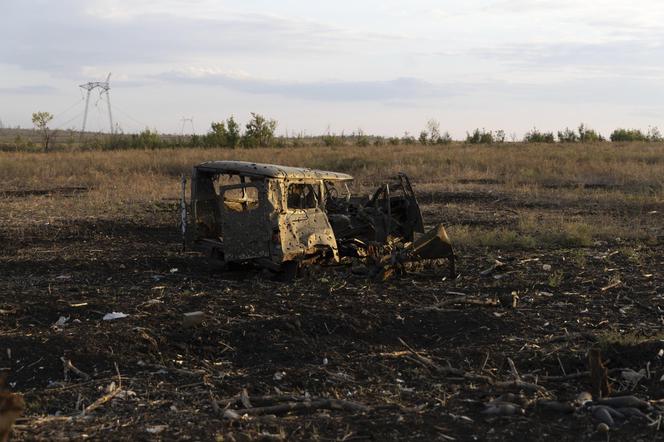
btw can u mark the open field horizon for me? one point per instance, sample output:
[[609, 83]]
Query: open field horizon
[[572, 233]]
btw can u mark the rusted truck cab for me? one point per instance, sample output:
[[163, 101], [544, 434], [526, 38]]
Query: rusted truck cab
[[274, 215]]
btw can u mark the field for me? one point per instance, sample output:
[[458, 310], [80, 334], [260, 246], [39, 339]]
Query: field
[[575, 232]]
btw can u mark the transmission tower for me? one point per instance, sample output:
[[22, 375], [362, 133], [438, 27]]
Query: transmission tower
[[184, 122], [104, 87]]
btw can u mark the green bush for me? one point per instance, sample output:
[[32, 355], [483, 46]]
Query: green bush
[[432, 135], [535, 136], [259, 132], [628, 135], [483, 137], [407, 138], [584, 135], [445, 138], [362, 141], [330, 140], [233, 133], [587, 135], [218, 135], [568, 136]]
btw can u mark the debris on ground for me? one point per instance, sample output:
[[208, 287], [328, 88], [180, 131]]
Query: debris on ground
[[114, 315]]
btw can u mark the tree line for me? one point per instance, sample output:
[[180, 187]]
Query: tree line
[[259, 131]]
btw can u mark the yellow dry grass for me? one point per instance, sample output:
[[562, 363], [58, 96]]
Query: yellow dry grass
[[122, 183]]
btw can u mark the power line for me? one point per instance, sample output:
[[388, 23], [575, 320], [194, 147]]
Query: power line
[[126, 114], [75, 117], [61, 113]]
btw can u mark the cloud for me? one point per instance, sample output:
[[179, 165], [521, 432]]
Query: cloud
[[526, 6], [28, 90], [64, 37], [632, 56], [389, 90]]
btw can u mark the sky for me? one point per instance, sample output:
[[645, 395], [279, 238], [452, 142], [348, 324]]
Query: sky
[[383, 67]]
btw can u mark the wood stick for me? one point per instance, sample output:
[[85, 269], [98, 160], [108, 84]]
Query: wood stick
[[101, 401], [571, 337], [568, 377], [447, 371], [513, 369], [611, 286], [329, 404], [244, 398], [461, 300], [70, 367]]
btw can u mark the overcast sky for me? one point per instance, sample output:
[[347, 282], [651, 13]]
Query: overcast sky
[[382, 66]]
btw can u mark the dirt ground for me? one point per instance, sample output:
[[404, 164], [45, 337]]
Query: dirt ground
[[361, 359]]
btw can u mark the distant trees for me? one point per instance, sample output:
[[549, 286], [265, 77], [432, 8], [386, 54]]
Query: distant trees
[[584, 135], [653, 135], [485, 137], [432, 135], [41, 120], [536, 136], [259, 132]]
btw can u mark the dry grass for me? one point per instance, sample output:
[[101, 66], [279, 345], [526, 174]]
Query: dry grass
[[623, 183]]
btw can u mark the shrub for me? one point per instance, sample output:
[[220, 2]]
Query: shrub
[[281, 142], [445, 138], [218, 135], [41, 120], [330, 140], [481, 137], [432, 135], [654, 134], [195, 141], [423, 138], [298, 141], [584, 135], [628, 135], [587, 135], [535, 136], [407, 138], [567, 136], [433, 128], [259, 132], [394, 141], [362, 141], [233, 133]]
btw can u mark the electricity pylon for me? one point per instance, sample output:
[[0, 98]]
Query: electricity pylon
[[104, 87], [185, 121]]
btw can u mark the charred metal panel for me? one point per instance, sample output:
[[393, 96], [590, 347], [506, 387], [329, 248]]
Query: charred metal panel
[[244, 221], [303, 225]]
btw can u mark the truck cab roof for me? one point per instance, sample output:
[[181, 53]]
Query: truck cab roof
[[273, 171]]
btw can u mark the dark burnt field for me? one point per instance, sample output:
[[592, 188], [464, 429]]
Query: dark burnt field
[[356, 358]]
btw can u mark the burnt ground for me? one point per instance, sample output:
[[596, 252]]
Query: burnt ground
[[332, 334]]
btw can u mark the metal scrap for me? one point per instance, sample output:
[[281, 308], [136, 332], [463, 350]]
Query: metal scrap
[[282, 217]]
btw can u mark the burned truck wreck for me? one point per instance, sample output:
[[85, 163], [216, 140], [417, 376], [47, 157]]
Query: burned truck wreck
[[282, 217]]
